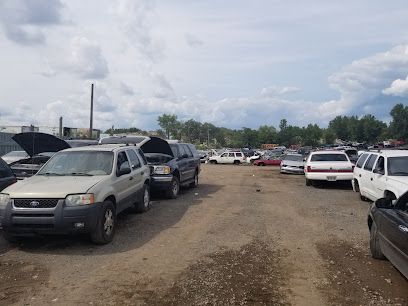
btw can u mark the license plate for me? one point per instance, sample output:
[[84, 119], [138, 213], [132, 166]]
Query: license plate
[[331, 178]]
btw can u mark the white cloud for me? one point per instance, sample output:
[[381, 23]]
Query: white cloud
[[192, 40], [24, 21], [126, 89], [272, 91], [87, 59], [398, 88]]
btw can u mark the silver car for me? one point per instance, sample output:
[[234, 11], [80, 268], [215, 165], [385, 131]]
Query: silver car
[[292, 163], [78, 190]]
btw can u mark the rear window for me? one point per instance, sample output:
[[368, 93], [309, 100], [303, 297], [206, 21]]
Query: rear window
[[361, 160], [398, 166], [329, 157], [239, 154]]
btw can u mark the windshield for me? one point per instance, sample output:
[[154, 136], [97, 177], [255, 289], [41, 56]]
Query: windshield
[[329, 157], [294, 157], [85, 163], [398, 166]]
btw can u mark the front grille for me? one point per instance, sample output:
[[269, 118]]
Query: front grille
[[35, 203]]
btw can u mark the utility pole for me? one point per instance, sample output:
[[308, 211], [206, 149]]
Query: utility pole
[[60, 128], [91, 117], [208, 137]]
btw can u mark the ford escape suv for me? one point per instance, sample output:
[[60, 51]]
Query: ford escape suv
[[78, 190]]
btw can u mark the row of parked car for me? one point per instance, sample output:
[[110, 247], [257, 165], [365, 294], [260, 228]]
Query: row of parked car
[[83, 189], [380, 176]]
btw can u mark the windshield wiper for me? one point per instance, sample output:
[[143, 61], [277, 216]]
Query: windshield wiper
[[80, 174]]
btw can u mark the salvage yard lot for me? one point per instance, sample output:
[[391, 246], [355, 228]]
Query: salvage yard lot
[[246, 235]]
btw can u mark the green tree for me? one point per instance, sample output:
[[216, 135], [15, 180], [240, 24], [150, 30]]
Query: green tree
[[399, 123], [169, 124]]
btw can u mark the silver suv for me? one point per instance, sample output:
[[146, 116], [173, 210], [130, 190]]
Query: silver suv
[[78, 190]]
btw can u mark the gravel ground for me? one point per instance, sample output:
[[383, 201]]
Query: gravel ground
[[246, 236]]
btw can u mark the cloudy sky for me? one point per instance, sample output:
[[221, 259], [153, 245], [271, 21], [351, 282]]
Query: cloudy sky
[[233, 63]]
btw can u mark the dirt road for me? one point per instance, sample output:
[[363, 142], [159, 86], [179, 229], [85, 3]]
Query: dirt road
[[246, 236]]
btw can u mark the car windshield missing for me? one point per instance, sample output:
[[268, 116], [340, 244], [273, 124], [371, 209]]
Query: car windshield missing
[[328, 157], [398, 166], [79, 163]]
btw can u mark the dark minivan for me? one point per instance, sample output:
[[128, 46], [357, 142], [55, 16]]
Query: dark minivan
[[172, 164]]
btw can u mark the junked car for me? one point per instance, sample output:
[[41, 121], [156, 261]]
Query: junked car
[[328, 166], [14, 156], [388, 226], [172, 164], [7, 177], [39, 147], [270, 160], [292, 163], [77, 190]]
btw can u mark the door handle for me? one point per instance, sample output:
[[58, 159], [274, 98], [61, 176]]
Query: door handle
[[403, 228], [359, 175], [371, 179], [130, 178]]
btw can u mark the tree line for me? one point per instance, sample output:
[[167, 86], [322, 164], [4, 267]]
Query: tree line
[[367, 129]]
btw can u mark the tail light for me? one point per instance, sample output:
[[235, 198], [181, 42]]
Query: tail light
[[308, 169]]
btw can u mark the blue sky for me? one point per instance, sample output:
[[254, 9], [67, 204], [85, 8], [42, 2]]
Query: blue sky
[[232, 63]]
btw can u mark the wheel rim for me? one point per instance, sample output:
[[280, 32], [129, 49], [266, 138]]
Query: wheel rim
[[175, 188], [109, 222], [146, 198]]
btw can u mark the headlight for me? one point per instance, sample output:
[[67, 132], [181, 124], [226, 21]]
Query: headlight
[[161, 170], [79, 199], [4, 199]]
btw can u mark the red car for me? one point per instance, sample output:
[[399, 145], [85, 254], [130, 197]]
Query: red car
[[272, 161]]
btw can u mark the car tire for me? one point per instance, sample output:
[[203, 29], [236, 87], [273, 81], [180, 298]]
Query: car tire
[[213, 162], [105, 225], [143, 204], [375, 243], [195, 183], [174, 188], [308, 182], [236, 162]]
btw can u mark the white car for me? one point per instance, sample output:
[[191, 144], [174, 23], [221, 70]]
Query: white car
[[380, 174], [232, 157], [328, 166]]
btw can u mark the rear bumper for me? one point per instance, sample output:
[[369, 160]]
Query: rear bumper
[[58, 220], [329, 176]]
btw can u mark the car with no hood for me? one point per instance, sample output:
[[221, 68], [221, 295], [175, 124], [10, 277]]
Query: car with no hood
[[77, 190]]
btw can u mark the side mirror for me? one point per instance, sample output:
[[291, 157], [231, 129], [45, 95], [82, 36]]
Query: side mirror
[[124, 170], [383, 203]]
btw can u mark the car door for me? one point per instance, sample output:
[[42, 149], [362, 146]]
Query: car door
[[378, 178], [366, 177], [223, 159], [358, 169], [182, 162], [123, 183], [393, 231], [190, 163], [137, 174]]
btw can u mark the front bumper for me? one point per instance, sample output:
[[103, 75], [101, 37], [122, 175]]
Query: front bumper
[[292, 170], [58, 220], [161, 182]]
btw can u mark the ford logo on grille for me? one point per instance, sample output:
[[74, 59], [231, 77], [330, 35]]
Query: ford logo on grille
[[34, 203]]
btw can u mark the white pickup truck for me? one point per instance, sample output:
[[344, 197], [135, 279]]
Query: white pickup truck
[[380, 174]]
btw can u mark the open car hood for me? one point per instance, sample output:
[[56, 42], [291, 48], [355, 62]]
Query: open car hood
[[148, 144], [156, 145], [34, 143]]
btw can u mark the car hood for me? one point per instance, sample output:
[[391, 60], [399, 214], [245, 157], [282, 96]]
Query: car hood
[[38, 186], [156, 145], [34, 143]]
